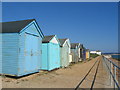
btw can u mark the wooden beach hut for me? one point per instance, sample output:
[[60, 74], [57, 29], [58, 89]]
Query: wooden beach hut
[[75, 50], [84, 53], [21, 47], [50, 53], [70, 57], [87, 53], [64, 52], [81, 52]]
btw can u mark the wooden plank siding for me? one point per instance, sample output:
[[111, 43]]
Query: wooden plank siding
[[21, 51], [64, 52], [50, 54], [10, 44]]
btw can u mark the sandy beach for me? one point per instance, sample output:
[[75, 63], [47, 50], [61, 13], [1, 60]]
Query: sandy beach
[[61, 78]]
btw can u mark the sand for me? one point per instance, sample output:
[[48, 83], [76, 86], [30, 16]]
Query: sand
[[61, 78]]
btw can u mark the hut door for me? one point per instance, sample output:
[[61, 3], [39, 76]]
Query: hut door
[[32, 51]]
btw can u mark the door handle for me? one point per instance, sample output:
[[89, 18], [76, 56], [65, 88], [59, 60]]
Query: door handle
[[31, 53]]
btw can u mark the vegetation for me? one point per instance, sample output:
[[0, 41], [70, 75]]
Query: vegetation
[[93, 55]]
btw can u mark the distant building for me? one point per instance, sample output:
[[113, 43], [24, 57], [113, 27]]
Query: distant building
[[99, 52], [96, 52]]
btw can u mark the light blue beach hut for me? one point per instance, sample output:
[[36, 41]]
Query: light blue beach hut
[[50, 53], [64, 52], [75, 50], [21, 47]]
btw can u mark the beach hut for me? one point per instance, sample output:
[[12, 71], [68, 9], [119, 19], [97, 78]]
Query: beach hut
[[50, 53], [21, 47], [84, 53], [75, 50], [64, 52], [81, 52], [87, 53], [70, 58]]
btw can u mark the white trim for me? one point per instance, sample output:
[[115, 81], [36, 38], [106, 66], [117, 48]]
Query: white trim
[[54, 40], [67, 41]]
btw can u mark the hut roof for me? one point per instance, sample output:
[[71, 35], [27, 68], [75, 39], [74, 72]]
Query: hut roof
[[47, 39], [84, 48], [62, 41], [87, 50], [74, 45], [14, 26], [81, 46]]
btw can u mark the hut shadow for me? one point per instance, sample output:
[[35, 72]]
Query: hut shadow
[[17, 77]]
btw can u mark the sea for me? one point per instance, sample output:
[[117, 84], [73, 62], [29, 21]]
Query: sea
[[116, 57]]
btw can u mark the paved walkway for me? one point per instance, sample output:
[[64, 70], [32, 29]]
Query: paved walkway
[[102, 77], [63, 78]]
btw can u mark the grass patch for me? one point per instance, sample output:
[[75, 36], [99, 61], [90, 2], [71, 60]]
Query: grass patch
[[94, 55]]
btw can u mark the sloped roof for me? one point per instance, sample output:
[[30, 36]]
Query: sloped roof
[[84, 48], [81, 46], [74, 45], [47, 39], [87, 50], [62, 41], [14, 26]]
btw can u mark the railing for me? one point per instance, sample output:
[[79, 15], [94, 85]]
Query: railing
[[114, 71]]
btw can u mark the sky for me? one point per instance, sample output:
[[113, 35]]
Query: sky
[[93, 24]]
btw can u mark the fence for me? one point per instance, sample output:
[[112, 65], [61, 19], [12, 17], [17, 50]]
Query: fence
[[113, 71]]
